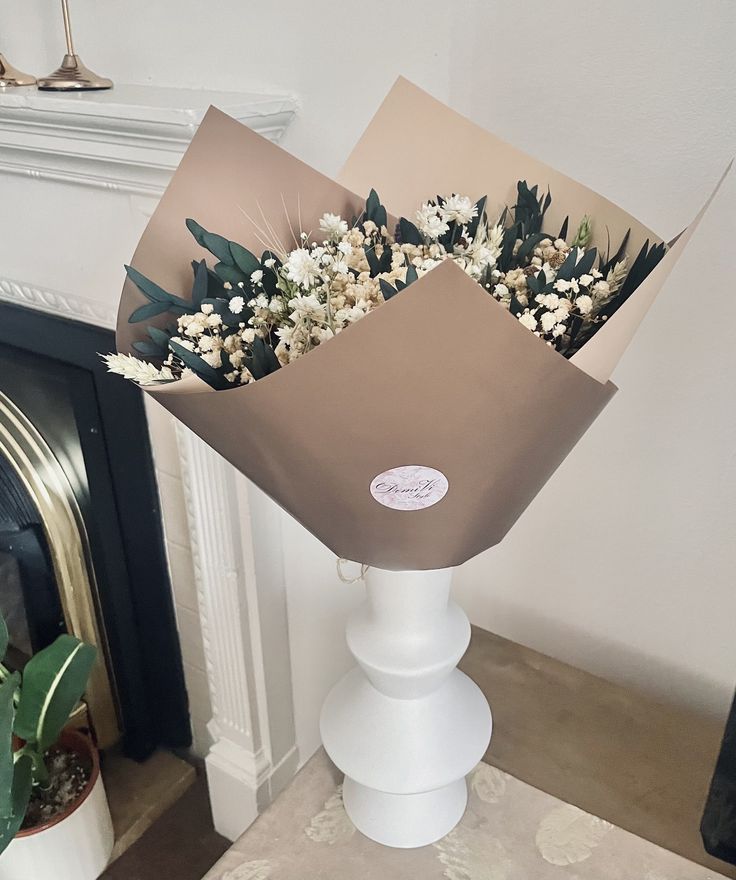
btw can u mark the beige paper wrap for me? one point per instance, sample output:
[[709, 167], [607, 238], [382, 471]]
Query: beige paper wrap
[[440, 376]]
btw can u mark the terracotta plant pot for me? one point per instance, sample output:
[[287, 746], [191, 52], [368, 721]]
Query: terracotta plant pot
[[77, 843]]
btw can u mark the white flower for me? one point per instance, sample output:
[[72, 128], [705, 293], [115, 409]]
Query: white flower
[[551, 301], [205, 343], [256, 276], [333, 226], [345, 248], [301, 268], [429, 221], [248, 335], [601, 289], [269, 263], [548, 321], [213, 358], [586, 280], [340, 267], [460, 209], [584, 304], [559, 330], [237, 304], [501, 291], [206, 308], [528, 320], [137, 370], [307, 307], [560, 244]]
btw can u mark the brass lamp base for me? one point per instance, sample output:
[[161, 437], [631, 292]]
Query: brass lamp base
[[73, 76], [11, 76]]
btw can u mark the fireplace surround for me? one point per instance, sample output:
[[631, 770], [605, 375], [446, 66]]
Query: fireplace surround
[[88, 170], [86, 463]]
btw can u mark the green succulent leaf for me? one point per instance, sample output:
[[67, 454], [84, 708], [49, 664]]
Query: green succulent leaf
[[54, 680]]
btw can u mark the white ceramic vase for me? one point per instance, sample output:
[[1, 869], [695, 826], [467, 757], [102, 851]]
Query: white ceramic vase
[[74, 846], [405, 725]]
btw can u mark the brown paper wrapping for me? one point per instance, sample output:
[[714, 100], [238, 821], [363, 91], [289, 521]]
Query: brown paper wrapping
[[440, 376]]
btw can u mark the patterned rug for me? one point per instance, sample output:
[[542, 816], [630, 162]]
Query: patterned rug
[[510, 831]]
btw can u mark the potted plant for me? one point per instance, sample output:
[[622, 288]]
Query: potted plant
[[54, 818]]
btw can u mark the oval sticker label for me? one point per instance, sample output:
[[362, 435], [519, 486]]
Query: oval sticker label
[[409, 487]]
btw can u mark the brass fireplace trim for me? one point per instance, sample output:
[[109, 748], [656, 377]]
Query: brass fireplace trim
[[47, 484]]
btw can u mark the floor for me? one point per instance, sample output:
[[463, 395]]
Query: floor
[[181, 845], [641, 765], [139, 794]]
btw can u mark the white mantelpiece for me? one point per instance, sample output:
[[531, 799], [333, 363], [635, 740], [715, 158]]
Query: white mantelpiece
[[129, 138], [80, 174]]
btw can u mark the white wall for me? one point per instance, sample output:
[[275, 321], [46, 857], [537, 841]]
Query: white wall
[[624, 564]]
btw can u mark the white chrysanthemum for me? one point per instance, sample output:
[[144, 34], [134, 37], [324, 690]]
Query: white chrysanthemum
[[269, 263], [584, 304], [459, 209], [137, 370], [307, 307], [302, 268], [257, 276], [429, 222], [236, 305], [333, 226]]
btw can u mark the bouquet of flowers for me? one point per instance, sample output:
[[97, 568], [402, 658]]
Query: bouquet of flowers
[[416, 438], [247, 316]]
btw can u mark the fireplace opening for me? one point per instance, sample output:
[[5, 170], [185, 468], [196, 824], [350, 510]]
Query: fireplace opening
[[81, 543]]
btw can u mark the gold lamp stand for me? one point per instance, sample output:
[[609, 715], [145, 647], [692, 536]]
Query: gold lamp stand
[[10, 76], [72, 75]]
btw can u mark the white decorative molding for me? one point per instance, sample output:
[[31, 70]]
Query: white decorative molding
[[129, 139], [244, 771], [120, 148], [53, 302]]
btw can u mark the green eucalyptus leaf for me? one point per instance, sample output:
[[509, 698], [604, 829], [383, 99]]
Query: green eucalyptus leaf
[[387, 290], [411, 275], [54, 680], [232, 274], [195, 363], [244, 259], [409, 233], [152, 291], [149, 349], [215, 244], [200, 288], [147, 311]]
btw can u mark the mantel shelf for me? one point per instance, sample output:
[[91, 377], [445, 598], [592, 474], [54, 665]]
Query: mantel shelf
[[129, 138]]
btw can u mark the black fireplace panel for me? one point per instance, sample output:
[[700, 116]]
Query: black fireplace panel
[[95, 424]]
